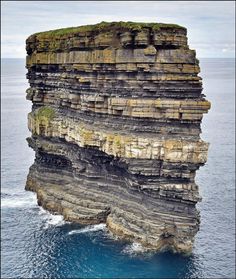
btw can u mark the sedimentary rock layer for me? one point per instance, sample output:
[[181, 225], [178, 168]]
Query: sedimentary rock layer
[[115, 125]]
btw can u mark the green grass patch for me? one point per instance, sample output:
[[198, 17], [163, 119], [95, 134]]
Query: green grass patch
[[45, 113], [105, 26]]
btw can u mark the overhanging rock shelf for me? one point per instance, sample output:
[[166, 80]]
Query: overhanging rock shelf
[[115, 125]]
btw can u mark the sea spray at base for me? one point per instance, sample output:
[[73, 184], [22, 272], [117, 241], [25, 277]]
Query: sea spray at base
[[14, 201], [51, 219], [90, 228]]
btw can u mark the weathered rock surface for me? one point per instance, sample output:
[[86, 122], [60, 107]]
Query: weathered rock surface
[[115, 125]]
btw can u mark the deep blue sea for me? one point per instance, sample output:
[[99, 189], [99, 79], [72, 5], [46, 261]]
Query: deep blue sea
[[36, 244]]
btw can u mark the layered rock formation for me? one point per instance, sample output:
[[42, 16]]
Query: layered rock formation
[[115, 125]]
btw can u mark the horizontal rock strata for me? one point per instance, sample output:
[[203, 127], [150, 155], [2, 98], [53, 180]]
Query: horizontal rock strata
[[115, 125]]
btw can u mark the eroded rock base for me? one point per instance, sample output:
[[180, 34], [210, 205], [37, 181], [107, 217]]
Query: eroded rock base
[[91, 187]]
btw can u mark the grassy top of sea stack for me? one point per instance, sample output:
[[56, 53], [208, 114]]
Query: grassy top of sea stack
[[106, 26]]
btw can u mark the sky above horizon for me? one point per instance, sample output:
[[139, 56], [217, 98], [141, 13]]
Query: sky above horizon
[[210, 24]]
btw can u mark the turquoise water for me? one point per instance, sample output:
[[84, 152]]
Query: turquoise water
[[36, 244]]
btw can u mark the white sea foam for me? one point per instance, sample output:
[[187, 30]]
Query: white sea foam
[[18, 201], [134, 248], [92, 228], [51, 219]]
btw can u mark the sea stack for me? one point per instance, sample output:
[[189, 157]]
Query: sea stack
[[115, 126]]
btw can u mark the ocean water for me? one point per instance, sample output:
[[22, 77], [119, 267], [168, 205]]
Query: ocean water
[[36, 244]]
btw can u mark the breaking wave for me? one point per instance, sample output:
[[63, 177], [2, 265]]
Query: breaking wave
[[8, 201], [134, 248], [91, 228], [51, 220]]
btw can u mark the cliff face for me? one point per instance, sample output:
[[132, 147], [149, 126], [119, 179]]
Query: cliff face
[[115, 127]]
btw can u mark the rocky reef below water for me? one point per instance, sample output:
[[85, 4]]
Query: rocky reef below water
[[115, 126]]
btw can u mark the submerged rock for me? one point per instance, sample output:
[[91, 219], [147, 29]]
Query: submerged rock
[[115, 125]]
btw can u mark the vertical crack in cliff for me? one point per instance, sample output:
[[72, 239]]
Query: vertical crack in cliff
[[115, 126]]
